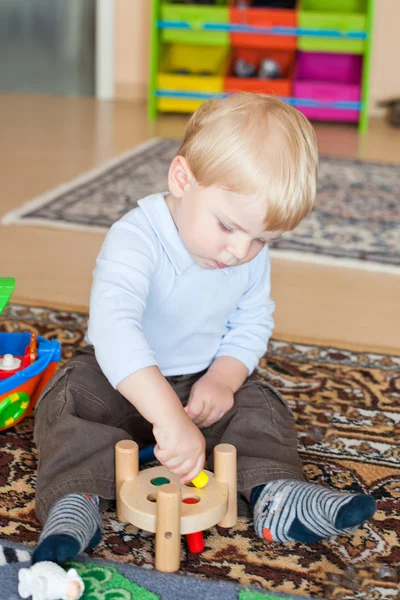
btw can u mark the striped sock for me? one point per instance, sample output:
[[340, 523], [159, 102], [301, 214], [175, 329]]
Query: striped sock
[[288, 510], [74, 524]]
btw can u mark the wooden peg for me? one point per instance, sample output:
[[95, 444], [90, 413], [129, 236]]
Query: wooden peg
[[225, 471], [126, 467], [195, 541], [168, 528]]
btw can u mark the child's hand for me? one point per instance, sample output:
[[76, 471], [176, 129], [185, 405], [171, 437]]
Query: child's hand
[[209, 400], [180, 447]]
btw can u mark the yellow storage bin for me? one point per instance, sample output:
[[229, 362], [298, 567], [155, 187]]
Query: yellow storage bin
[[192, 69]]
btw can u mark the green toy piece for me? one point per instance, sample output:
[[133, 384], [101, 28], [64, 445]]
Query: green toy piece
[[7, 285], [12, 408]]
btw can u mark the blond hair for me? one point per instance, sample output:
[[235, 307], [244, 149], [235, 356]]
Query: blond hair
[[252, 143]]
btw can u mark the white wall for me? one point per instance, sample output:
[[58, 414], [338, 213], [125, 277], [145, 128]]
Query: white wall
[[385, 68], [131, 48]]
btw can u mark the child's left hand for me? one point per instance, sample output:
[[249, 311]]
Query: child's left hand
[[209, 400]]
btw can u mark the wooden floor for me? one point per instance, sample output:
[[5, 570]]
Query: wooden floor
[[48, 140]]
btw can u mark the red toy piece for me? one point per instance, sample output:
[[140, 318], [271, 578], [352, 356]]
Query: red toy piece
[[9, 364], [195, 541]]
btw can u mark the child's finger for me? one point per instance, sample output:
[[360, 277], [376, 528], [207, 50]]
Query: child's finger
[[161, 455], [195, 471], [157, 451], [183, 468], [203, 415], [188, 411], [195, 409], [208, 419], [174, 463], [214, 417]]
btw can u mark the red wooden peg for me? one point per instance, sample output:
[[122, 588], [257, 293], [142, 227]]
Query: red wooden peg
[[195, 541]]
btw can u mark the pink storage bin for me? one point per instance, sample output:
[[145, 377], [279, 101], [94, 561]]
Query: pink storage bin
[[328, 77]]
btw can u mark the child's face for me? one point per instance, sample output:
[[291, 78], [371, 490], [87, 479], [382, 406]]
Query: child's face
[[220, 228]]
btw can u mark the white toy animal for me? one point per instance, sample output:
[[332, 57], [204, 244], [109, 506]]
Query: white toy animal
[[48, 581]]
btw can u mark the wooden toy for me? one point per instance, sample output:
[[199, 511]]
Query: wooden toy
[[200, 480], [194, 540], [147, 455], [155, 501]]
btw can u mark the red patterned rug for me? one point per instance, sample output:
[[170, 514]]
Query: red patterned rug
[[347, 411]]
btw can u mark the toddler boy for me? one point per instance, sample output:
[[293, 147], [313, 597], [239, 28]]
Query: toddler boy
[[180, 314]]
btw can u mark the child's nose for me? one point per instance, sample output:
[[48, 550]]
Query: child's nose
[[240, 248]]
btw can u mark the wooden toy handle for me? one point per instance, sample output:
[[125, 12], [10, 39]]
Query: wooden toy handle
[[225, 471], [168, 528], [126, 467]]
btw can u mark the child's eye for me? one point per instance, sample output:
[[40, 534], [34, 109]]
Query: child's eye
[[263, 242], [224, 227]]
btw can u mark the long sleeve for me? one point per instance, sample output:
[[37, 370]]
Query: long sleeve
[[250, 326], [119, 292]]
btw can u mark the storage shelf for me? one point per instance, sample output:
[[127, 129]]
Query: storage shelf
[[253, 29], [340, 30], [305, 102]]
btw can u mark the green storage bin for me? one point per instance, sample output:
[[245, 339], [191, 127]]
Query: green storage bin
[[341, 15], [196, 16]]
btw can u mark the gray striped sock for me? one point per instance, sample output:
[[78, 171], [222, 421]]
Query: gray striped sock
[[290, 510], [77, 515]]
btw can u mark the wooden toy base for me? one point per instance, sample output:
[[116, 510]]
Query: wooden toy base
[[153, 500]]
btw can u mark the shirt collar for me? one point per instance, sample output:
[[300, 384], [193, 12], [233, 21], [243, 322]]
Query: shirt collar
[[157, 213]]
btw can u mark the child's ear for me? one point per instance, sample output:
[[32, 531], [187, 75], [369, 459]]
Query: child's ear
[[179, 176]]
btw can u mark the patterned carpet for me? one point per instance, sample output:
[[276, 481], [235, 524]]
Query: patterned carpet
[[347, 410], [356, 220], [105, 580]]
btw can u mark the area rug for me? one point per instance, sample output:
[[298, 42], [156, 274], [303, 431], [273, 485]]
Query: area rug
[[346, 406], [105, 580], [355, 223]]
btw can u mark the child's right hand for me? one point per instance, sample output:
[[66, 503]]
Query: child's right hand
[[180, 447]]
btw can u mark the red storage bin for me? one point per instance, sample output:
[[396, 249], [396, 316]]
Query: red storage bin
[[263, 17], [328, 77], [278, 87]]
